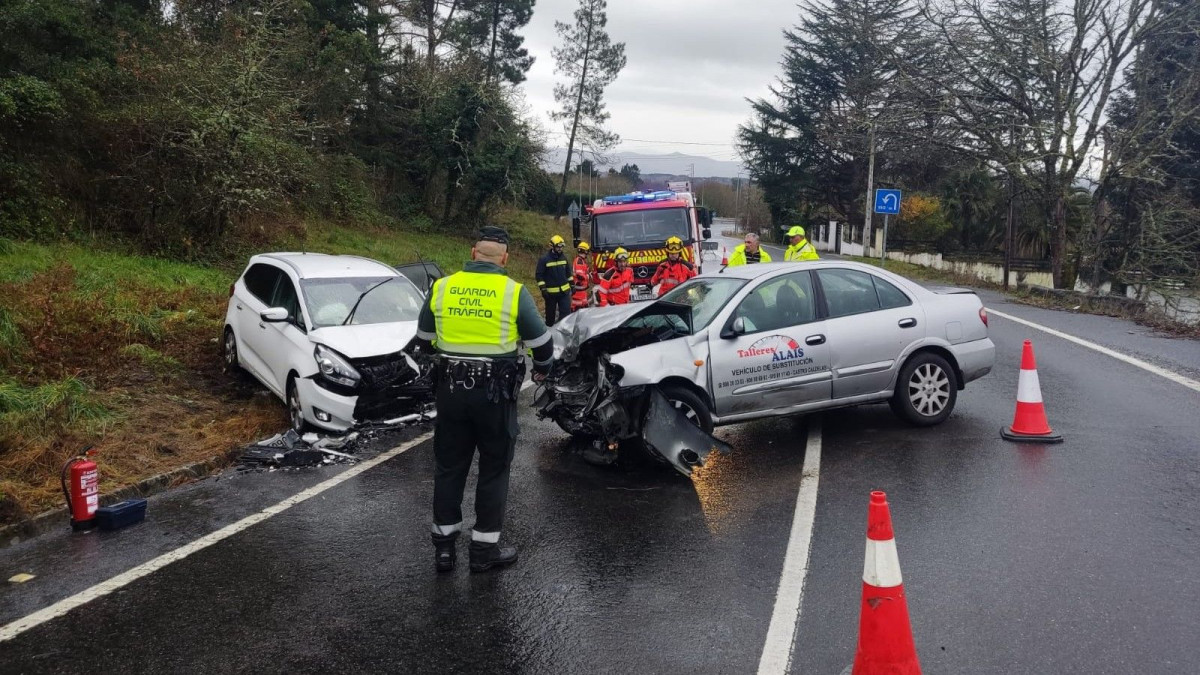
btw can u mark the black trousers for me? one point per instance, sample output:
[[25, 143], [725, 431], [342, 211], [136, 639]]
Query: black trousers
[[558, 306], [467, 421]]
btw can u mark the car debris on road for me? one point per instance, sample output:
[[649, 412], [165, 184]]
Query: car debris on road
[[291, 449]]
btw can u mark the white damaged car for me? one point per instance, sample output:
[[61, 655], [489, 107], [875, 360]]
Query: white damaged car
[[760, 341], [325, 334]]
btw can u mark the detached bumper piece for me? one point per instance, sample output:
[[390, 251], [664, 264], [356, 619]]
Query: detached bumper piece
[[669, 433]]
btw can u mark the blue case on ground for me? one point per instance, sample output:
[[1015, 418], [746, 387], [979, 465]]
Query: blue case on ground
[[121, 514]]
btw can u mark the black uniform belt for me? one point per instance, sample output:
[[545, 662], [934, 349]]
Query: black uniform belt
[[500, 377]]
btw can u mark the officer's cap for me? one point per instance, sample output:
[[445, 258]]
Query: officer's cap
[[493, 233]]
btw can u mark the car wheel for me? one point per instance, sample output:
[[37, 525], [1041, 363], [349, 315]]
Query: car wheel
[[295, 408], [926, 390], [693, 406], [232, 364]]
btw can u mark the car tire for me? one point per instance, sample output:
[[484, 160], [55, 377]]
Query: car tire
[[695, 407], [296, 408], [232, 364], [926, 390]]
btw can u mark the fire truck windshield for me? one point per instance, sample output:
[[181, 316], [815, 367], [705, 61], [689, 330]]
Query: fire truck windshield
[[651, 226]]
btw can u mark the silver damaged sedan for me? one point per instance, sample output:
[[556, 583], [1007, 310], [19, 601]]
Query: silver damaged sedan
[[761, 341]]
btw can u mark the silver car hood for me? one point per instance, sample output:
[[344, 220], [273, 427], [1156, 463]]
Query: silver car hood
[[585, 324]]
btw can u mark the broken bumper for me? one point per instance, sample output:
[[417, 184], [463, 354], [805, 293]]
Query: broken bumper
[[338, 408]]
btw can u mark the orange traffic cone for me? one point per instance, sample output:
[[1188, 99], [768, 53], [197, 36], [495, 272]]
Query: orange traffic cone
[[885, 642], [1029, 421], [724, 257]]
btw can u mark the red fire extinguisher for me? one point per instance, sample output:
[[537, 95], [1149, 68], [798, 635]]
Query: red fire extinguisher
[[82, 489]]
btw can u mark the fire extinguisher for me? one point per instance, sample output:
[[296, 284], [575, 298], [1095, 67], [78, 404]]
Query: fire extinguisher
[[82, 489]]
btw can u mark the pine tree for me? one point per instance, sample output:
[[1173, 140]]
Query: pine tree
[[591, 61], [490, 31]]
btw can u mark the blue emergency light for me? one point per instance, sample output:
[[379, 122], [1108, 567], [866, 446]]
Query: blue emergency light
[[635, 197]]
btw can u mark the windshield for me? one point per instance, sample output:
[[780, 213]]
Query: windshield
[[329, 300], [651, 226], [706, 297]]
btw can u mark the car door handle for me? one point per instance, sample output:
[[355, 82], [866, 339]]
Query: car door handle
[[262, 325], [239, 307], [814, 340], [907, 323]]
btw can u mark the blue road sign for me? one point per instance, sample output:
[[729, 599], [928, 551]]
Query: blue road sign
[[887, 201]]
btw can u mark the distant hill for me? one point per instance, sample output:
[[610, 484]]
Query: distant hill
[[674, 164]]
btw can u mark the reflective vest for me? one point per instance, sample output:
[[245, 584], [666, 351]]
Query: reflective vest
[[615, 289], [802, 251], [740, 257], [476, 313], [671, 274]]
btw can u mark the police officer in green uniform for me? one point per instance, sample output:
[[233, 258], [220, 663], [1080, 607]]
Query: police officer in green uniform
[[473, 321]]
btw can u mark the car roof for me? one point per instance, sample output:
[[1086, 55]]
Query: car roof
[[763, 269], [324, 266]]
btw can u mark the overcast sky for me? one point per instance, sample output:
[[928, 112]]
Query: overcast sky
[[691, 65]]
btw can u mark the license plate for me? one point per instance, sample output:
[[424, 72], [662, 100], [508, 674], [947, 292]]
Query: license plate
[[643, 293]]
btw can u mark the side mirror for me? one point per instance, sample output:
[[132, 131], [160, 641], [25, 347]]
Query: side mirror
[[575, 230], [738, 327], [706, 233], [274, 315]]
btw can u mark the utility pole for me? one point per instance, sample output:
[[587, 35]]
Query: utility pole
[[1008, 223], [737, 202], [868, 232]]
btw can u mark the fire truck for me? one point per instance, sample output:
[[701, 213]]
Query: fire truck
[[641, 223]]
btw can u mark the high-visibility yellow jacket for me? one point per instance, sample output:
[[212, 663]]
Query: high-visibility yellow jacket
[[481, 312], [802, 251], [739, 256]]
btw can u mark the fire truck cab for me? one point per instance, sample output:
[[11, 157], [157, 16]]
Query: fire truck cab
[[641, 223]]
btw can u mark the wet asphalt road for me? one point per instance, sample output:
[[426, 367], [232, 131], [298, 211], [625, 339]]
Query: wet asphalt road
[[1078, 557]]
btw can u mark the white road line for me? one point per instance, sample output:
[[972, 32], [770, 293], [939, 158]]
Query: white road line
[[60, 608], [1148, 367], [777, 652]]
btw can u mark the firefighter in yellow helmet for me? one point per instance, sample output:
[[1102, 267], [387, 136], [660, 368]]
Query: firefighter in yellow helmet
[[581, 276], [674, 270], [554, 280], [800, 248], [616, 281]]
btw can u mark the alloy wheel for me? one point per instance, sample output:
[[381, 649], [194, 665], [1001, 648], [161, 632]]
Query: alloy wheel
[[231, 357], [295, 410], [929, 389]]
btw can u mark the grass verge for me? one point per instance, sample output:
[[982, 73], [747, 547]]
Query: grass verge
[[119, 350]]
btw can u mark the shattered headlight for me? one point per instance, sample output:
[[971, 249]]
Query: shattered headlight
[[334, 367]]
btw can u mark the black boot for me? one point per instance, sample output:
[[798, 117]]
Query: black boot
[[444, 555], [485, 556]]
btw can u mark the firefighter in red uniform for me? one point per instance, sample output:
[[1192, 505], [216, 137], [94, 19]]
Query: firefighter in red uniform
[[581, 274], [674, 270], [616, 282]]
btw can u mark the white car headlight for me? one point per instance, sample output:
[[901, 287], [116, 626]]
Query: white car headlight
[[334, 367]]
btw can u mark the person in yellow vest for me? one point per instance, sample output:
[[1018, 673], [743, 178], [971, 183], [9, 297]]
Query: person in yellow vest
[[801, 248], [749, 252], [474, 321]]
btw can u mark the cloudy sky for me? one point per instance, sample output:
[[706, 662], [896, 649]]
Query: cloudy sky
[[691, 65]]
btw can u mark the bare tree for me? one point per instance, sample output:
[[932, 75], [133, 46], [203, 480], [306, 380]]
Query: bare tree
[[591, 62], [1029, 84]]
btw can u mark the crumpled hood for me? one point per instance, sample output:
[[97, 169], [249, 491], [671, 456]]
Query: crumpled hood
[[373, 339], [584, 324]]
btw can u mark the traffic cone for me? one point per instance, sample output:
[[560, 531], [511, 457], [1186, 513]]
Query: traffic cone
[[1029, 421], [885, 642], [724, 257]]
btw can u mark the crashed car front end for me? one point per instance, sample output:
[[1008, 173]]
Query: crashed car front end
[[605, 383]]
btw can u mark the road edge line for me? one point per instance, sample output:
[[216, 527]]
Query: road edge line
[[1144, 365], [777, 649], [62, 607]]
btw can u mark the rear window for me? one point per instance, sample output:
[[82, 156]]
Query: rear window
[[260, 281]]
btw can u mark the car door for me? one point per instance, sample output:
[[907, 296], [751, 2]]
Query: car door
[[780, 358], [285, 342], [259, 286], [869, 323]]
